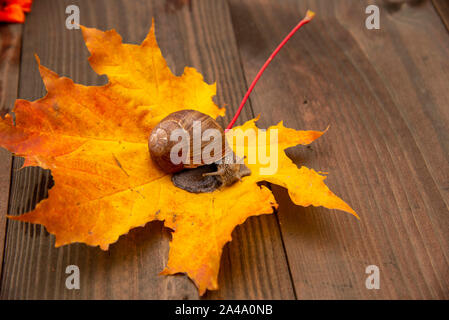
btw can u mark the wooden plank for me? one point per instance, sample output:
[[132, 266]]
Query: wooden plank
[[442, 7], [199, 34], [384, 95], [10, 46]]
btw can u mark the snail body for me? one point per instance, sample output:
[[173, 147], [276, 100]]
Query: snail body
[[230, 170], [164, 145]]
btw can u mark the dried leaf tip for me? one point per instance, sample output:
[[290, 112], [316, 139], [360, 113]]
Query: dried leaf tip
[[310, 14]]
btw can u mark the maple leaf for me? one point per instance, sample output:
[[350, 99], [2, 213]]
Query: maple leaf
[[94, 141], [13, 11]]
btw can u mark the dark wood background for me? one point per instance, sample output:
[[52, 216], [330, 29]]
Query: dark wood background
[[384, 93]]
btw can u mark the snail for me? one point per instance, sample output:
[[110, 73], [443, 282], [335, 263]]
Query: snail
[[223, 168], [191, 170]]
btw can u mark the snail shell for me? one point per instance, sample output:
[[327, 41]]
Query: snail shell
[[160, 144]]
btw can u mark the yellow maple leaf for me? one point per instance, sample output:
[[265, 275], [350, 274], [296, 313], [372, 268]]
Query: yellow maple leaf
[[94, 141]]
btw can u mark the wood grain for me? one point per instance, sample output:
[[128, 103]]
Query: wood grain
[[442, 7], [193, 33], [10, 45], [384, 95]]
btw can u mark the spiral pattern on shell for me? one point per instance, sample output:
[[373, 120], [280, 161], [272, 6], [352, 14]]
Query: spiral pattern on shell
[[161, 142]]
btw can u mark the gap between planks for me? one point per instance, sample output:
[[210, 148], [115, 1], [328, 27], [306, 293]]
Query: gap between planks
[[10, 49]]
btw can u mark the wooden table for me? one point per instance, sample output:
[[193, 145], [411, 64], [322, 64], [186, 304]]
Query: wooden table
[[384, 93]]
